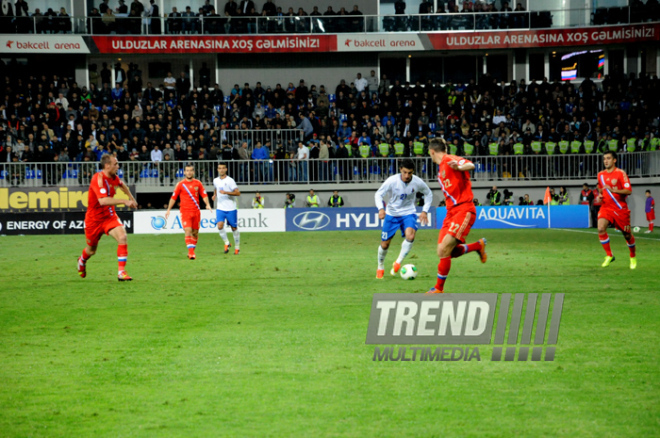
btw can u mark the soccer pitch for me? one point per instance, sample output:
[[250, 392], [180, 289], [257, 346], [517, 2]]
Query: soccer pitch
[[271, 343]]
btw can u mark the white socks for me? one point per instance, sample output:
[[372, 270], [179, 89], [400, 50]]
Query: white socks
[[237, 238], [223, 235], [405, 249], [381, 257]]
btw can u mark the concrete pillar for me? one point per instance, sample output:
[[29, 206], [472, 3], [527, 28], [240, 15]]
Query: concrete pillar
[[408, 68], [191, 74]]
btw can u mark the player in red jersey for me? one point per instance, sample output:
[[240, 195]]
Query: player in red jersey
[[614, 187], [189, 191], [101, 217], [454, 179]]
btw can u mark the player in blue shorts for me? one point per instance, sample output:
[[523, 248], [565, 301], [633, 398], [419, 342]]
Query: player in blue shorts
[[225, 207], [395, 200]]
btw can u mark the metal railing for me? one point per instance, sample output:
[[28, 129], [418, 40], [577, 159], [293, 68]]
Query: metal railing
[[351, 170], [287, 137], [122, 24]]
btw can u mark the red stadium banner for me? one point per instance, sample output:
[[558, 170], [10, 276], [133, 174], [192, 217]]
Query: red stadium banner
[[545, 37], [216, 44]]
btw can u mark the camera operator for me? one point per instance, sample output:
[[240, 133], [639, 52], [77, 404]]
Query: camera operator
[[507, 197]]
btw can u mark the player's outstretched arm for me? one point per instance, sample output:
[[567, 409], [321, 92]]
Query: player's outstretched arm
[[463, 165], [234, 192], [378, 197], [206, 201], [107, 201], [124, 188]]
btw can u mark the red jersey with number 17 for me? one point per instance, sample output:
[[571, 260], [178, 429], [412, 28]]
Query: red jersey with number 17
[[617, 179], [189, 192], [101, 187], [455, 184]]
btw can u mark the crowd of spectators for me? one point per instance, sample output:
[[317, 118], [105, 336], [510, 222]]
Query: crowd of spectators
[[51, 118], [244, 17]]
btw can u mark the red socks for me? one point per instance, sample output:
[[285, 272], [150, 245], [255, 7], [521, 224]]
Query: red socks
[[651, 226], [605, 241], [464, 249], [122, 256], [443, 270], [191, 243], [84, 257], [631, 245]]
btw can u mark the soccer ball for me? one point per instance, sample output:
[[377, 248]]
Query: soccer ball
[[408, 272], [636, 229]]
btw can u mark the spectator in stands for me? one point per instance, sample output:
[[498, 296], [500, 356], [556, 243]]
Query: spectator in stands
[[174, 22], [361, 84], [305, 126], [154, 18]]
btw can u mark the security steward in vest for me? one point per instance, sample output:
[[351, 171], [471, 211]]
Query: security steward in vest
[[312, 199], [495, 196], [335, 200]]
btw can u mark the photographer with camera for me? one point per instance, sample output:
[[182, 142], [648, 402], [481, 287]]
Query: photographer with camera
[[525, 201], [507, 197]]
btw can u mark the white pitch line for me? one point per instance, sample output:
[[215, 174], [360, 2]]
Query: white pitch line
[[595, 232]]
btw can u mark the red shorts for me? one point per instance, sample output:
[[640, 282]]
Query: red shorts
[[458, 222], [619, 218], [190, 219], [650, 216], [94, 230]]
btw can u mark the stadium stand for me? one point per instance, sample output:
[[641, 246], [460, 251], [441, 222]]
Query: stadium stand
[[50, 118]]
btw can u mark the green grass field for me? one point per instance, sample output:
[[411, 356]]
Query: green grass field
[[272, 343]]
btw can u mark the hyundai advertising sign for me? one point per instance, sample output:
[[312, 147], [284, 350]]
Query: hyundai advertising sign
[[534, 216], [334, 219]]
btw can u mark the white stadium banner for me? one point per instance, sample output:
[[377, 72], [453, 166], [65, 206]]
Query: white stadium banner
[[359, 42], [249, 220], [46, 43]]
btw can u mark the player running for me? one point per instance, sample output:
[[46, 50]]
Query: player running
[[454, 179], [101, 217], [225, 187], [614, 188], [189, 190], [399, 192]]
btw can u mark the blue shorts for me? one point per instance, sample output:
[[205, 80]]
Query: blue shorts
[[391, 224], [230, 216]]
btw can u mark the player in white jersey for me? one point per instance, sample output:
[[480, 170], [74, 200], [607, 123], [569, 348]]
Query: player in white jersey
[[225, 207], [399, 192]]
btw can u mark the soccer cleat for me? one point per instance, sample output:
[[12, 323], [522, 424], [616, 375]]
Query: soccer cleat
[[396, 267], [482, 252], [123, 276], [380, 273], [633, 262], [82, 269], [647, 232], [191, 257], [236, 251], [607, 261], [433, 290], [227, 248]]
